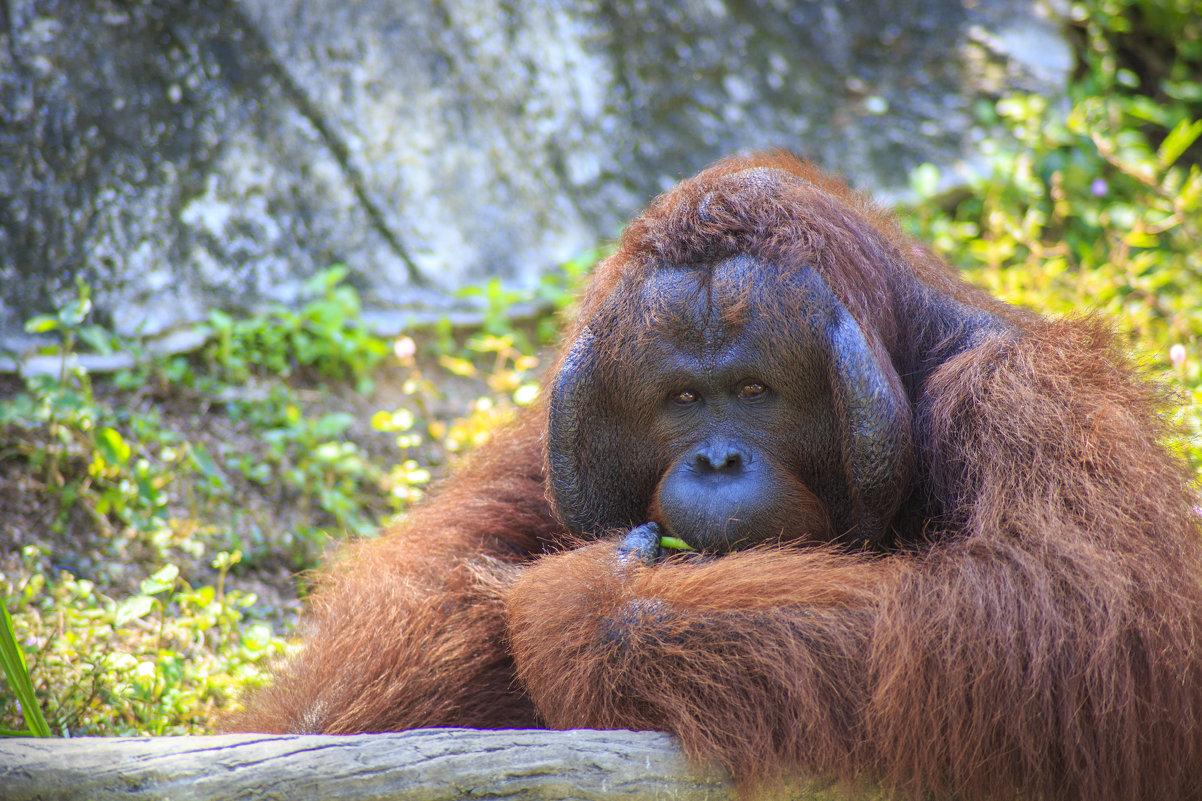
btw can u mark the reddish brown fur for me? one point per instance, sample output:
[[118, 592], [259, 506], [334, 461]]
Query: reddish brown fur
[[408, 630], [1041, 642]]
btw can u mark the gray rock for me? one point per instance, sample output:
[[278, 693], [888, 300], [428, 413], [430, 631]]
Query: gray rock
[[183, 156]]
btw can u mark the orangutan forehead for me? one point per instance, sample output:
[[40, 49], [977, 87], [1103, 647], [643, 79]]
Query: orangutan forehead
[[702, 305], [744, 185]]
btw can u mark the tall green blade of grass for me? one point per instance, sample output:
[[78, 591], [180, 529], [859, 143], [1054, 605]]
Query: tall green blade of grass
[[18, 678]]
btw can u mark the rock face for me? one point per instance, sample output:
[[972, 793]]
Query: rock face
[[182, 156]]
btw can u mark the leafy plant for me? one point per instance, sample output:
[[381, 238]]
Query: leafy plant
[[12, 659], [326, 335], [1099, 206], [160, 661]]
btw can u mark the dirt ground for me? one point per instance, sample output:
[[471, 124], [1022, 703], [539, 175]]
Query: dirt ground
[[90, 547]]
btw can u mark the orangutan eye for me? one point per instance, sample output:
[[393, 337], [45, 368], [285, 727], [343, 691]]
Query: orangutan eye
[[685, 398], [750, 390]]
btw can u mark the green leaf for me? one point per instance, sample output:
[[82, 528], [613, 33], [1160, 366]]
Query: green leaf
[[226, 559], [205, 464], [112, 446], [160, 581], [323, 281], [675, 543], [400, 420], [132, 609], [12, 659], [41, 324], [220, 320], [97, 338], [327, 452], [148, 493], [924, 180], [1181, 137], [331, 425], [73, 314], [461, 367]]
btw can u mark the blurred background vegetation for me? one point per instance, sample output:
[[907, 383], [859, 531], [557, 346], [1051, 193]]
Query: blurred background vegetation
[[174, 508]]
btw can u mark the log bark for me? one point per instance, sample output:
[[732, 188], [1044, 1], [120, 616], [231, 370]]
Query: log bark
[[420, 765]]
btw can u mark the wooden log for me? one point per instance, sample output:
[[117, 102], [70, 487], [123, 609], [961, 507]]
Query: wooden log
[[419, 765]]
